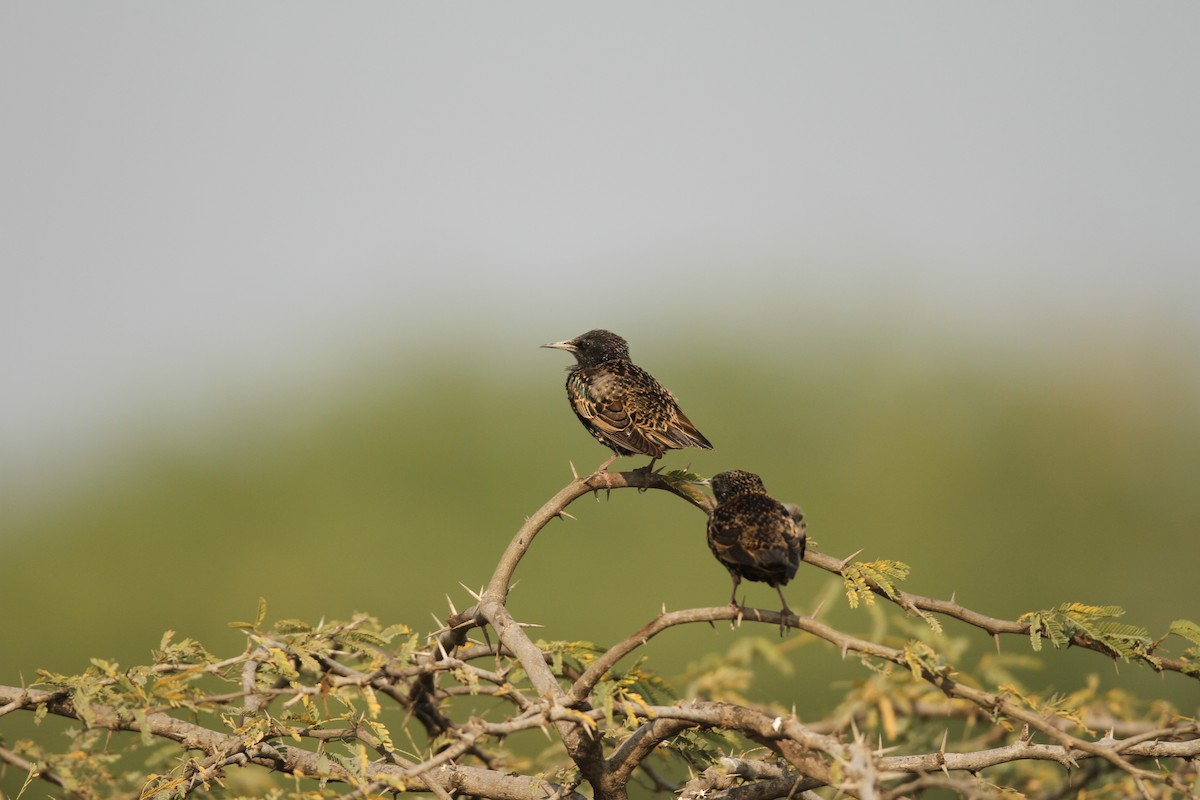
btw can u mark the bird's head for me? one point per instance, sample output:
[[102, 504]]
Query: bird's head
[[594, 347], [734, 482]]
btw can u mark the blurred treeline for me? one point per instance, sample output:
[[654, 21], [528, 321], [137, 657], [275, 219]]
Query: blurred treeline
[[1015, 480]]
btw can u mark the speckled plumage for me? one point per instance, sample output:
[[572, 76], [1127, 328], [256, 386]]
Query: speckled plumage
[[621, 404], [752, 534]]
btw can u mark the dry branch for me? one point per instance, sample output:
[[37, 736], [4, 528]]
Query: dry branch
[[283, 678]]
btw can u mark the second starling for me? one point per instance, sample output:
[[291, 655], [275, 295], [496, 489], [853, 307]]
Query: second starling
[[621, 404], [753, 535]]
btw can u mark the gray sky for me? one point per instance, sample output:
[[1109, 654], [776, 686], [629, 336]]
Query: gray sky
[[193, 191]]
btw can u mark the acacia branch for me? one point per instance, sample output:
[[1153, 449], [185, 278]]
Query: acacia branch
[[995, 626], [554, 507], [817, 757], [582, 743], [29, 768], [1068, 745], [762, 727], [908, 601], [227, 749], [496, 594]]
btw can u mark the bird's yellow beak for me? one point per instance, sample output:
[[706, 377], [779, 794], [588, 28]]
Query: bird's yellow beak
[[567, 345]]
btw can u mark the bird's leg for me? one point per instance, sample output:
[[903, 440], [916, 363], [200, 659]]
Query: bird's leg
[[737, 620], [647, 473], [603, 470], [784, 612]]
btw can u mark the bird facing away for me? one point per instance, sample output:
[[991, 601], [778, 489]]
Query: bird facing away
[[621, 404], [753, 535]]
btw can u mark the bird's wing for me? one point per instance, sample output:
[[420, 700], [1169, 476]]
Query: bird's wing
[[602, 399], [754, 534], [686, 434], [656, 413]]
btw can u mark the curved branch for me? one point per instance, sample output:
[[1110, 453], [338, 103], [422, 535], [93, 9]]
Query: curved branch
[[908, 601], [555, 506]]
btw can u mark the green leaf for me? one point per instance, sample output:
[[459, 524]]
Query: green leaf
[[286, 626], [1187, 629], [862, 578], [685, 482], [1094, 623], [139, 716], [361, 640], [920, 657], [258, 620]]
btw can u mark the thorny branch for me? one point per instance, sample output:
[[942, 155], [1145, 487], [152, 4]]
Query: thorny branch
[[606, 741]]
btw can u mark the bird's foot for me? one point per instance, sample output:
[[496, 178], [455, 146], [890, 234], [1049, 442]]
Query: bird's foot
[[607, 463], [647, 475], [785, 614], [602, 470]]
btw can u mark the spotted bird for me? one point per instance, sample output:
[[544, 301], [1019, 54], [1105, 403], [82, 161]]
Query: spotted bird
[[753, 535], [621, 404]]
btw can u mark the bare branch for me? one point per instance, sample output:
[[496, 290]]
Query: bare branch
[[639, 479]]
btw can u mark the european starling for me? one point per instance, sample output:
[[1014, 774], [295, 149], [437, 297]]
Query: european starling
[[754, 535], [620, 403]]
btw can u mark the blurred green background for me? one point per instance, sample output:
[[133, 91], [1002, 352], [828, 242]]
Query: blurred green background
[[1015, 481]]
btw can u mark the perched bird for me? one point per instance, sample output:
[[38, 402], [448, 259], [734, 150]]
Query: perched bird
[[620, 403], [754, 535]]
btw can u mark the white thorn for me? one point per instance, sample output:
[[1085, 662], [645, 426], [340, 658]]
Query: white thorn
[[850, 557]]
